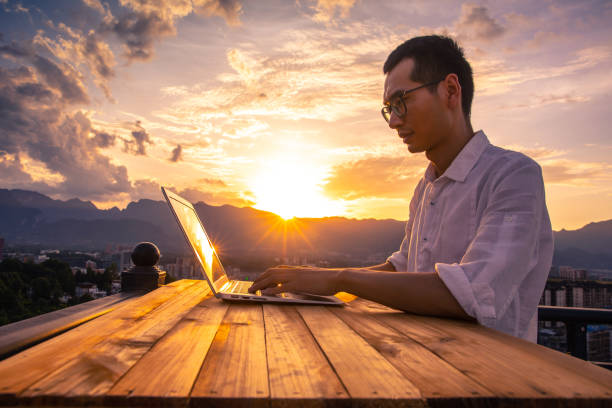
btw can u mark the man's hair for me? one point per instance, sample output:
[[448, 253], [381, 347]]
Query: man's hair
[[434, 58]]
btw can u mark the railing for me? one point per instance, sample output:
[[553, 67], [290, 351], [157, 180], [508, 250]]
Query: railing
[[576, 320]]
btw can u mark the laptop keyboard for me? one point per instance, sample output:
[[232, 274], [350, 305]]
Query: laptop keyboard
[[240, 287]]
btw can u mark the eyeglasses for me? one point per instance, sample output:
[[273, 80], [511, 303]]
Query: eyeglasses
[[398, 106]]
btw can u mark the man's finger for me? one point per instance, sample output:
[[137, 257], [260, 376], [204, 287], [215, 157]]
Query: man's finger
[[275, 290], [270, 281]]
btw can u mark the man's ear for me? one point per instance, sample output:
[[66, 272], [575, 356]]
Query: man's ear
[[452, 94]]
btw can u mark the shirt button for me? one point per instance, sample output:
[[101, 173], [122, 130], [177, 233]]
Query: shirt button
[[432, 203], [424, 239]]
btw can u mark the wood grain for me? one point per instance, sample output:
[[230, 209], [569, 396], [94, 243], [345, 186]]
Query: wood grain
[[17, 336], [235, 371], [434, 377], [95, 369], [493, 364], [300, 375], [170, 368], [368, 377], [21, 370], [569, 373]]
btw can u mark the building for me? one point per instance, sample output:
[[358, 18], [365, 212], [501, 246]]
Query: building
[[568, 287], [569, 273], [599, 342], [125, 260], [183, 268], [577, 293], [89, 288]]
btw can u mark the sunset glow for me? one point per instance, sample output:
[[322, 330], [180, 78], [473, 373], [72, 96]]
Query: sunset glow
[[290, 188], [276, 104]]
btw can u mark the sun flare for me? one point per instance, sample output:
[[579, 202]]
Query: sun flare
[[291, 188]]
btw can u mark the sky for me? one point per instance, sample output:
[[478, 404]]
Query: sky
[[276, 104]]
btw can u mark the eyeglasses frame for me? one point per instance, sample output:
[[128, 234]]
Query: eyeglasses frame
[[390, 108]]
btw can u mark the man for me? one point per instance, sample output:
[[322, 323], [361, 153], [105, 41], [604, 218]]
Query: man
[[478, 243]]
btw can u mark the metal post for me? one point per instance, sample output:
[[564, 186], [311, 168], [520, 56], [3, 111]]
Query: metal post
[[576, 339]]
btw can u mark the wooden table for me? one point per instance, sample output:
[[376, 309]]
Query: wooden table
[[177, 346]]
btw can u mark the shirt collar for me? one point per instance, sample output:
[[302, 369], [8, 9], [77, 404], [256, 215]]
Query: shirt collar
[[465, 160]]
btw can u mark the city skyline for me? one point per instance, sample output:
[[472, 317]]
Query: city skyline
[[276, 104]]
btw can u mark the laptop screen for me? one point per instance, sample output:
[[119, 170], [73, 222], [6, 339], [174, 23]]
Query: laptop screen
[[198, 239]]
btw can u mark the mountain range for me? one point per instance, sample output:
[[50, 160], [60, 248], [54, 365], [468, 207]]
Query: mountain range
[[31, 218]]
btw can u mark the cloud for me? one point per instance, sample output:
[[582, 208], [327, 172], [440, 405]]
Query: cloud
[[313, 74], [139, 142], [60, 77], [238, 199], [96, 5], [537, 153], [64, 79], [229, 10], [537, 101], [62, 143], [103, 139], [177, 154], [391, 177], [476, 23], [100, 59], [80, 49], [213, 182], [13, 174], [138, 31], [146, 22], [327, 10], [575, 173], [145, 188], [13, 7], [495, 76], [542, 38]]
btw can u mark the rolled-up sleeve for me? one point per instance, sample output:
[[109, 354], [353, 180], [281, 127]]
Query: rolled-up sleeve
[[505, 250]]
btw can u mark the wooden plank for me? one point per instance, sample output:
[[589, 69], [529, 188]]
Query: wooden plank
[[17, 336], [21, 370], [588, 380], [300, 375], [235, 371], [169, 369], [368, 377], [434, 377], [567, 362], [497, 366], [94, 371]]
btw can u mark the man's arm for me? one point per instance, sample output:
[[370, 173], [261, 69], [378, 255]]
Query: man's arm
[[420, 293]]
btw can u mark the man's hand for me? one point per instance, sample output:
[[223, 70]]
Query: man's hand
[[297, 279]]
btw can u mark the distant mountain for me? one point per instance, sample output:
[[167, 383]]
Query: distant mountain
[[28, 217], [594, 237], [32, 218], [587, 247]]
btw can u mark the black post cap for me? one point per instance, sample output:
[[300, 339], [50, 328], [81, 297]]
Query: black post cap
[[145, 254], [144, 275]]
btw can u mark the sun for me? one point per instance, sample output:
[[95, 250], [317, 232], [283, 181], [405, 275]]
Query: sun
[[291, 188]]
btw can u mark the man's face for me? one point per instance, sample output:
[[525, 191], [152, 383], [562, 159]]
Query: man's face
[[422, 127]]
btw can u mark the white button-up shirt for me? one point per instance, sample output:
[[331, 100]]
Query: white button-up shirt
[[483, 227]]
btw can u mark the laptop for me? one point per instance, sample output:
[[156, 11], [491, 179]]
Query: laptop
[[220, 284]]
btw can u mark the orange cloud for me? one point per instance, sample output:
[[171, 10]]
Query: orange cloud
[[571, 172], [327, 10], [238, 199], [391, 177]]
